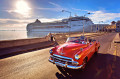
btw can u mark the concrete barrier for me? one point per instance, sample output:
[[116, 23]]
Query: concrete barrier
[[14, 47], [20, 42], [25, 48]]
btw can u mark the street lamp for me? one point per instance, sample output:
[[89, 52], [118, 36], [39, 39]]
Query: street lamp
[[84, 22], [70, 19]]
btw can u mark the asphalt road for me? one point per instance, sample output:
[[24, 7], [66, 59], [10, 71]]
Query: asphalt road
[[35, 65]]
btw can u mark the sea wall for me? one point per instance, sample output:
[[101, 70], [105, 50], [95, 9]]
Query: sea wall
[[59, 38], [21, 42]]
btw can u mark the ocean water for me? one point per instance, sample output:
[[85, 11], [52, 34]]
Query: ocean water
[[37, 34], [13, 35]]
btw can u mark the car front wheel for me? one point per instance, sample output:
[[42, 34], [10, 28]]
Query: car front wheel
[[84, 63]]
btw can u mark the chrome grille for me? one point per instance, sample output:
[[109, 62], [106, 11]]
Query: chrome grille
[[62, 59]]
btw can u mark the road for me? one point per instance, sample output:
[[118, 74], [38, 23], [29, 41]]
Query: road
[[35, 65]]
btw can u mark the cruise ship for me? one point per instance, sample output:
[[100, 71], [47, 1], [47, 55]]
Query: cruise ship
[[72, 24]]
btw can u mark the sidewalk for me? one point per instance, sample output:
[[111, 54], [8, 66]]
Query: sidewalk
[[112, 48], [117, 38], [114, 62]]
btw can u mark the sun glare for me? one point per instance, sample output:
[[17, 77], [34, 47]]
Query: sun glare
[[22, 7]]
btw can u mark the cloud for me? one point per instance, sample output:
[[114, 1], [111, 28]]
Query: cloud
[[82, 10], [14, 22], [33, 12], [54, 4], [21, 9], [100, 15], [22, 22], [18, 15], [56, 7], [11, 21]]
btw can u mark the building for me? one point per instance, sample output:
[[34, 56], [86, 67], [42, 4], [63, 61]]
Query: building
[[118, 26], [113, 23], [98, 27], [110, 28]]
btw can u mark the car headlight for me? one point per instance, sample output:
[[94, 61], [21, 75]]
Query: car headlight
[[51, 51], [77, 57]]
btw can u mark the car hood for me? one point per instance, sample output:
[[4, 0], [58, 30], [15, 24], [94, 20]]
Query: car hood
[[69, 49]]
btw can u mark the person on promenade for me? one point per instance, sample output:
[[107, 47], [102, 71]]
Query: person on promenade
[[51, 37]]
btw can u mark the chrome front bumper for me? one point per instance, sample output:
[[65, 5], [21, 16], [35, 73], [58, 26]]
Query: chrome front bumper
[[65, 65]]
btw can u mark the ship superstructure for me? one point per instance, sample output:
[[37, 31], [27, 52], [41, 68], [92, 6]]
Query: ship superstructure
[[65, 25]]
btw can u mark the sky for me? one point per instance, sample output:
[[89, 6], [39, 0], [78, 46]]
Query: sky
[[18, 13]]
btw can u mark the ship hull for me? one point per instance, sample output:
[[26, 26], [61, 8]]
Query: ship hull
[[74, 24]]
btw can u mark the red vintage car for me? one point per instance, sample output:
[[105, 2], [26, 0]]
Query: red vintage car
[[75, 53]]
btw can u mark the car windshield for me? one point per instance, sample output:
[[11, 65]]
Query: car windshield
[[81, 39]]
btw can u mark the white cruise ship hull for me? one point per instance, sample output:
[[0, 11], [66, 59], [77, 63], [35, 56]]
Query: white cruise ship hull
[[37, 28]]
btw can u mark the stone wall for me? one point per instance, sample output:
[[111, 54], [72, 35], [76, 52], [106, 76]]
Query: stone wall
[[20, 42]]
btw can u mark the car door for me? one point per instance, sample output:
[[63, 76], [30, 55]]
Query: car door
[[91, 50]]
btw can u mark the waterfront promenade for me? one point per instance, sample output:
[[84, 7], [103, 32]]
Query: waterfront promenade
[[34, 64], [15, 47]]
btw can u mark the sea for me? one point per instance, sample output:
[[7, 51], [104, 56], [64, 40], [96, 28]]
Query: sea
[[14, 33], [20, 34]]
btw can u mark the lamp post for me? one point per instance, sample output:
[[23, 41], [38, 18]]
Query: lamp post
[[84, 22], [69, 18]]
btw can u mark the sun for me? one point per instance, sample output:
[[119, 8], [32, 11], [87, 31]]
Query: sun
[[22, 7]]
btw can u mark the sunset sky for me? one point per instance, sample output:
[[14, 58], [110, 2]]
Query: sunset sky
[[18, 13]]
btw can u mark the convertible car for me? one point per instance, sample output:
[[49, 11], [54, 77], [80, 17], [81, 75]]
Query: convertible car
[[74, 53]]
